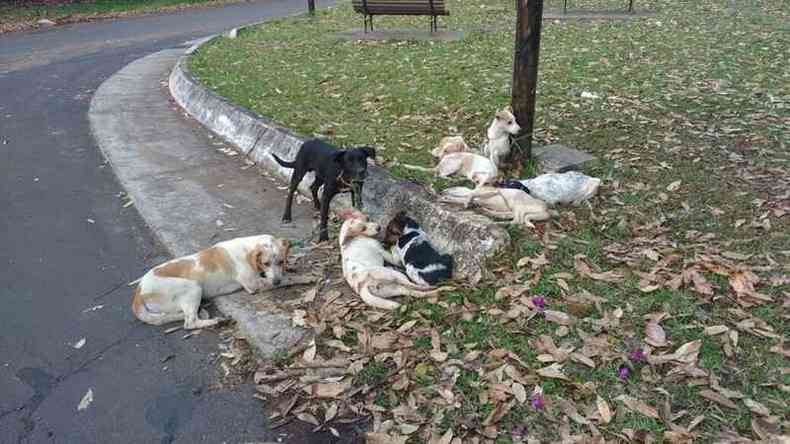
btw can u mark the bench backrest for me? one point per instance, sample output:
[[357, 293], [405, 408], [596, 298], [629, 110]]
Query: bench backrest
[[400, 7]]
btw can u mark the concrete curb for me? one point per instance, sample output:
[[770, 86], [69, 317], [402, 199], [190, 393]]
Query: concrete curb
[[170, 173], [471, 238]]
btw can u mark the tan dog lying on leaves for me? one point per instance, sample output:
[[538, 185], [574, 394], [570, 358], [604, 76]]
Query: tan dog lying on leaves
[[505, 203], [363, 265], [172, 291]]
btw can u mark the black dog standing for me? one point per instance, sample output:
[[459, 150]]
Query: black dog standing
[[338, 171]]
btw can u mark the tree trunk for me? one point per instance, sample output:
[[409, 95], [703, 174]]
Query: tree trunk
[[525, 74]]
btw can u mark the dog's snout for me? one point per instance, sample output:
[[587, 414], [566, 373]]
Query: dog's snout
[[276, 281]]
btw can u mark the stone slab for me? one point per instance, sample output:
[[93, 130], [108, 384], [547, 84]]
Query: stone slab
[[559, 158], [402, 34]]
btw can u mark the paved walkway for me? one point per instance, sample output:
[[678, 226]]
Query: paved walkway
[[70, 246]]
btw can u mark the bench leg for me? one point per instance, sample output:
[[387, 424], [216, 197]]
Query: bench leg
[[370, 19], [631, 6], [434, 24], [565, 7]]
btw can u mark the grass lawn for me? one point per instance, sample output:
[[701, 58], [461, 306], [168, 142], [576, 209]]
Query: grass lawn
[[16, 17], [667, 302]]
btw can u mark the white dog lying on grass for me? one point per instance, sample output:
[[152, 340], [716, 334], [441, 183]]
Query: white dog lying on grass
[[363, 265]]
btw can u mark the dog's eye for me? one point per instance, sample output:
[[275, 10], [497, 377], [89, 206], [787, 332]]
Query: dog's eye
[[262, 274], [510, 122]]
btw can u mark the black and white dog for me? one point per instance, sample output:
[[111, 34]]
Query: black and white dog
[[424, 265], [339, 171]]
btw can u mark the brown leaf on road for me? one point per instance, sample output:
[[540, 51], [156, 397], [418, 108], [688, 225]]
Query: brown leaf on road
[[674, 185], [328, 389], [655, 334], [710, 395], [308, 418]]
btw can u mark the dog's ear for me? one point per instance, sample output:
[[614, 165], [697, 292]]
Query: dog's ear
[[370, 151], [339, 156], [256, 258]]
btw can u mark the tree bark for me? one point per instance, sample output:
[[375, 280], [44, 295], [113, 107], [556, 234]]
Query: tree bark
[[529, 20]]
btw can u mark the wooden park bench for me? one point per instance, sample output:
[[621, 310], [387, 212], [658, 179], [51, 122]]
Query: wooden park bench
[[369, 8], [630, 6]]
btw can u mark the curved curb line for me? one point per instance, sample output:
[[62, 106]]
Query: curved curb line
[[471, 238]]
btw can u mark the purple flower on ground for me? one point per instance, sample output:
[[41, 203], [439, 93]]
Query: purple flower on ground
[[637, 356], [538, 402], [623, 373], [539, 302]]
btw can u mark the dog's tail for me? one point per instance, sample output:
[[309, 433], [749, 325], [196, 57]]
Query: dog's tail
[[282, 162], [142, 313], [375, 301], [417, 168]]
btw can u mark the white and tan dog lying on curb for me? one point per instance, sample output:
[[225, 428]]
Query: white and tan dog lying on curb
[[363, 265], [172, 291], [503, 203], [504, 125]]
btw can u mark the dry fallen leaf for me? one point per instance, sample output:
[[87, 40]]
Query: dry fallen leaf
[[655, 334], [716, 330], [328, 389], [78, 345], [717, 398], [604, 411], [309, 353], [639, 406], [519, 392], [553, 371], [558, 317], [674, 185], [86, 400], [756, 407]]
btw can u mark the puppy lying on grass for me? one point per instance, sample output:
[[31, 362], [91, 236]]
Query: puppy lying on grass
[[410, 245], [479, 169], [502, 203], [172, 291], [363, 265]]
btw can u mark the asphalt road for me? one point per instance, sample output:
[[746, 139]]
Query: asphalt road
[[68, 247]]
